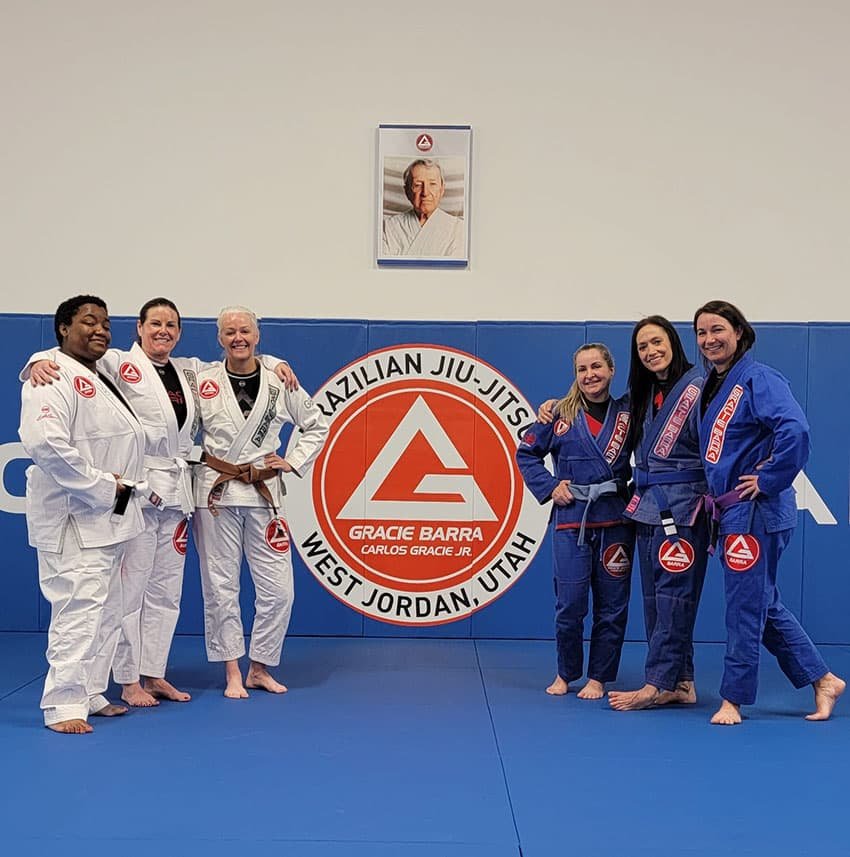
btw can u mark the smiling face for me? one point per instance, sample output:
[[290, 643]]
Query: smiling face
[[87, 336], [654, 349], [593, 374], [238, 336], [159, 332], [717, 339]]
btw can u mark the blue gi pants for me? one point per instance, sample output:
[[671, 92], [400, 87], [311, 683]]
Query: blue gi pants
[[670, 601], [578, 570], [755, 613]]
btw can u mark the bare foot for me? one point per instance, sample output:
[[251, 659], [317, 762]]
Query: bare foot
[[110, 710], [235, 689], [159, 688], [134, 695], [827, 691], [71, 727], [592, 690], [684, 694], [558, 687], [259, 677], [728, 714], [634, 700]]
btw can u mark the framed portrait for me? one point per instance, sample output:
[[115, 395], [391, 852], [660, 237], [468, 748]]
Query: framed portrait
[[423, 196]]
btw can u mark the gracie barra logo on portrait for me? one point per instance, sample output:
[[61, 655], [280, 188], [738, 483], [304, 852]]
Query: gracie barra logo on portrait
[[415, 512]]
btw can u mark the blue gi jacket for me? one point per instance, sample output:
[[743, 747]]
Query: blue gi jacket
[[669, 450], [754, 425], [583, 459]]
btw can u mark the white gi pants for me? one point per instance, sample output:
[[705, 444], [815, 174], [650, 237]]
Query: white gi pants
[[152, 582], [221, 541], [83, 586]]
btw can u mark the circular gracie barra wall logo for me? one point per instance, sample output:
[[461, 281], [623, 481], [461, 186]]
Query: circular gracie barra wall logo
[[415, 512]]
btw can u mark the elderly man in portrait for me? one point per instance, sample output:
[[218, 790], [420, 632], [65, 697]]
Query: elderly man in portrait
[[424, 230]]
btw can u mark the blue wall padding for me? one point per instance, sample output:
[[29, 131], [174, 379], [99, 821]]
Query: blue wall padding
[[537, 358]]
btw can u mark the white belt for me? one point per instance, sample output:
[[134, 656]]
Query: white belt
[[181, 468]]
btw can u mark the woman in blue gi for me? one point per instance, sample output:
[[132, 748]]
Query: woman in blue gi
[[671, 532], [754, 440], [592, 543]]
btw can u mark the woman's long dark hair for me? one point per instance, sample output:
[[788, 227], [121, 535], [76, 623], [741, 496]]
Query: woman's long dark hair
[[642, 380]]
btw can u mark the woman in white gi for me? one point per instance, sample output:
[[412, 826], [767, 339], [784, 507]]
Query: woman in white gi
[[239, 497], [87, 448], [163, 392]]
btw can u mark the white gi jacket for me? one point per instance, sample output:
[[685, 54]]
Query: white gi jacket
[[168, 446], [227, 434], [169, 476], [78, 434]]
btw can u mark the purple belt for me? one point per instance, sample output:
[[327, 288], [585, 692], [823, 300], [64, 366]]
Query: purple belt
[[714, 508]]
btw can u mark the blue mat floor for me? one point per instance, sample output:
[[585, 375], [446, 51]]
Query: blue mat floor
[[429, 748]]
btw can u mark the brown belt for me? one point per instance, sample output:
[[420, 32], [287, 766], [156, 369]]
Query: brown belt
[[246, 473]]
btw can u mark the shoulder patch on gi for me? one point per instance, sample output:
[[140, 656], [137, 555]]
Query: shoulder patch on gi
[[561, 427], [530, 438]]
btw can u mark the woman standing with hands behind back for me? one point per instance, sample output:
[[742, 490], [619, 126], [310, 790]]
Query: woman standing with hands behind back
[[754, 440], [591, 542]]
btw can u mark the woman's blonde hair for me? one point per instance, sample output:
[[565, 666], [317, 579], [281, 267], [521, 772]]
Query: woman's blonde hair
[[237, 310], [568, 407]]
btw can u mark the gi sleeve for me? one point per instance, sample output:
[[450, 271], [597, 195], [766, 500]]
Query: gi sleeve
[[108, 364], [47, 354], [312, 424], [777, 409], [535, 445], [45, 431]]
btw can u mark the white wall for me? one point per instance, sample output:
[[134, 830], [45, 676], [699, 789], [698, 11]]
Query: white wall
[[629, 157]]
